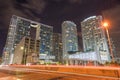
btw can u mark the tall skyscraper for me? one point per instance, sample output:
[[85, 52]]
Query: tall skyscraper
[[46, 48], [69, 38], [57, 46], [20, 27], [94, 38]]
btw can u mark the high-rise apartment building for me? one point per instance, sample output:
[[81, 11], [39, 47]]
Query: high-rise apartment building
[[27, 51], [94, 38], [46, 33], [69, 38], [0, 60], [57, 46], [46, 48], [20, 27]]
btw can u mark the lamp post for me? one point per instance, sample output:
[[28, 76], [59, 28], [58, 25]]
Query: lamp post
[[106, 25]]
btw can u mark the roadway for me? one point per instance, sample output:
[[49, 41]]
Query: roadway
[[22, 73]]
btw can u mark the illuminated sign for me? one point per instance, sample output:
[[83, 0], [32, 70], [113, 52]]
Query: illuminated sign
[[84, 56], [103, 55]]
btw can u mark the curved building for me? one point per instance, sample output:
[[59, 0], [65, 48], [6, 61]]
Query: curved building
[[94, 38], [69, 39]]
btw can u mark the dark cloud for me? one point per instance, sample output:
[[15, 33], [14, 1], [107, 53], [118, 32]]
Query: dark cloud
[[113, 17], [33, 8], [75, 1], [30, 9]]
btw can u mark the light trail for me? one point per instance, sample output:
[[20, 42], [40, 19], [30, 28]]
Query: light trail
[[57, 72]]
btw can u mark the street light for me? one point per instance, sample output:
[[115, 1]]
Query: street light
[[21, 47], [106, 25]]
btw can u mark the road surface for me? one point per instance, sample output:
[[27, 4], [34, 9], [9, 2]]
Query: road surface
[[12, 73]]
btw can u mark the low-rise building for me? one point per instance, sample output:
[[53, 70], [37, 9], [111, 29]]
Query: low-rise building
[[27, 51]]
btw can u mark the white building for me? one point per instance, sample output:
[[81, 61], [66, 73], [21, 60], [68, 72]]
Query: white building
[[94, 39], [69, 38], [21, 27]]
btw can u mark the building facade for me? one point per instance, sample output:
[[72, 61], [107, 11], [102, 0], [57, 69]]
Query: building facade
[[20, 27], [0, 60], [69, 39], [17, 30], [27, 51], [94, 38], [57, 47], [46, 48]]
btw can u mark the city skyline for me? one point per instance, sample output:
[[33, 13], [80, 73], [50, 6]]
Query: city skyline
[[60, 39], [64, 10], [93, 35]]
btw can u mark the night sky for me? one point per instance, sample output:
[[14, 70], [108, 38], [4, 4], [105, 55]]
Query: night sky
[[54, 12]]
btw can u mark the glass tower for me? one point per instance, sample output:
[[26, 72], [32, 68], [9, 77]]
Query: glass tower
[[94, 39], [20, 27], [46, 33], [57, 46], [69, 38]]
